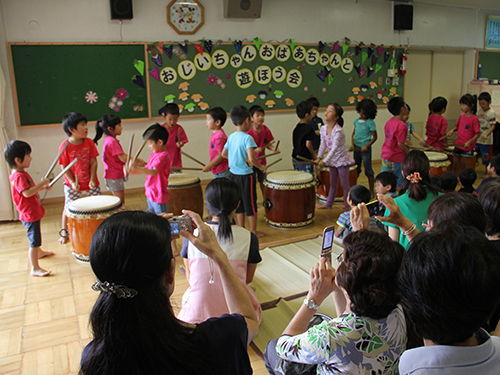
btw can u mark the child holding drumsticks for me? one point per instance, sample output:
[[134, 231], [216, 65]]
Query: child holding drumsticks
[[177, 137], [27, 202]]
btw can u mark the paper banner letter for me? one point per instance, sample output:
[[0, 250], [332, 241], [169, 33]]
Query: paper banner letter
[[345, 47], [168, 50], [380, 49], [321, 46], [336, 47], [208, 46], [331, 77], [139, 65], [374, 59], [362, 72], [137, 79], [157, 59], [257, 41], [364, 56], [155, 73], [321, 75], [370, 71], [199, 48]]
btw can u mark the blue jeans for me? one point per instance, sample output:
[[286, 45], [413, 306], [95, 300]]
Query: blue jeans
[[366, 158], [157, 208]]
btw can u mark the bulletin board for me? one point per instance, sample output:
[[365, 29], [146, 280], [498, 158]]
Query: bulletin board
[[276, 76], [490, 64], [51, 80]]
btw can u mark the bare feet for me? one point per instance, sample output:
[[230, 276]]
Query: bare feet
[[40, 272], [43, 254], [62, 240], [323, 207]]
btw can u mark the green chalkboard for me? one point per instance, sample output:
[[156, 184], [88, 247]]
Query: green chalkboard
[[54, 79], [274, 76], [490, 64]]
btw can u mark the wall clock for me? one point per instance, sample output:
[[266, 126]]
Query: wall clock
[[185, 16]]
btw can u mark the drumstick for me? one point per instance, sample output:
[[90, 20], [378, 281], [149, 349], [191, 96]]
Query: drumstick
[[274, 162], [306, 159], [186, 169], [179, 135], [190, 157], [57, 159], [127, 166], [277, 145], [146, 137], [63, 172], [443, 137], [271, 154]]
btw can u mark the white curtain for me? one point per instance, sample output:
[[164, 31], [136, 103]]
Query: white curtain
[[7, 211]]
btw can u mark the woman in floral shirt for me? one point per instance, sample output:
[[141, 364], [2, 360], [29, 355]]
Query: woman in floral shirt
[[369, 335]]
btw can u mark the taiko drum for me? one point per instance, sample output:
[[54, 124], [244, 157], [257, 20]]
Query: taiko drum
[[185, 194]]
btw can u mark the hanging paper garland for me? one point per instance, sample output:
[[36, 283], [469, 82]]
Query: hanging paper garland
[[386, 56], [321, 75], [370, 71], [159, 46], [362, 72], [208, 46], [357, 67], [199, 49], [155, 73], [157, 59], [237, 45], [393, 63], [184, 46], [374, 59], [378, 67], [139, 81], [364, 56], [370, 51], [168, 50], [293, 43], [321, 46], [380, 49], [257, 41], [139, 65], [336, 47], [331, 77], [357, 49], [345, 47]]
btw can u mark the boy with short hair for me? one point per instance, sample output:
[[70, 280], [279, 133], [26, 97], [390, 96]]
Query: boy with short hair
[[487, 121], [466, 180], [394, 148], [81, 177], [216, 118], [316, 122], [240, 147], [263, 138], [177, 137], [302, 137], [385, 183], [449, 182], [493, 169], [27, 202]]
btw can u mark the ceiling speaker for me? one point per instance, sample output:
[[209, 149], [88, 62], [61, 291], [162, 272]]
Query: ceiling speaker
[[121, 9], [242, 8]]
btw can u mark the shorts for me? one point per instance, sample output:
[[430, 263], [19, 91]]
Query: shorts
[[248, 203], [115, 184], [33, 233], [72, 195], [465, 154], [157, 208], [298, 166], [389, 166], [366, 158], [260, 176], [222, 174]]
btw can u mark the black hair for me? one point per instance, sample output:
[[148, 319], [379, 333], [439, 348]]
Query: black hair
[[485, 96], [388, 178], [303, 109], [495, 163], [368, 107], [369, 273], [449, 282], [467, 177], [239, 114], [71, 121], [170, 109], [417, 162], [408, 107], [437, 104], [218, 114], [359, 194], [16, 149], [256, 108], [463, 208], [314, 101], [222, 197], [470, 101], [449, 182], [339, 111], [138, 335], [489, 197], [436, 181], [102, 125], [156, 132], [395, 104]]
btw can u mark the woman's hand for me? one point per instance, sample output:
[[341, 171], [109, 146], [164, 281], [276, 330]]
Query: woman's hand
[[395, 216], [360, 217], [321, 281]]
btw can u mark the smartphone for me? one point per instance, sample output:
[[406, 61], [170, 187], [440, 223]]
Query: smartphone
[[373, 208], [326, 246]]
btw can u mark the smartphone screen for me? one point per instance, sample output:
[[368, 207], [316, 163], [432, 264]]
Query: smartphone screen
[[373, 208], [326, 247], [174, 228]]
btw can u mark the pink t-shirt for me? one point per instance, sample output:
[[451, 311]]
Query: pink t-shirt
[[30, 209], [113, 166], [263, 138], [84, 152], [217, 142], [468, 127], [395, 132], [435, 128], [156, 186], [174, 152]]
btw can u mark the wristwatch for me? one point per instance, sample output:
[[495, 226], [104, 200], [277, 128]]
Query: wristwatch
[[310, 304]]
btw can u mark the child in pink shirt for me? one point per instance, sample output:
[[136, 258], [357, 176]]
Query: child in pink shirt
[[156, 170], [436, 125], [394, 148], [113, 156], [177, 137], [216, 118]]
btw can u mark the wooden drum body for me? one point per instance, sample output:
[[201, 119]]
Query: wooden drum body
[[471, 162], [439, 162], [84, 216], [289, 199], [185, 194], [324, 186]]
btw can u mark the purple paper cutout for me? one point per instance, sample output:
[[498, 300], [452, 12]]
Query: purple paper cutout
[[357, 50], [386, 56], [157, 59], [370, 51], [321, 75], [139, 81], [238, 45], [168, 50], [184, 46], [357, 67], [321, 46], [374, 59], [208, 46], [370, 71]]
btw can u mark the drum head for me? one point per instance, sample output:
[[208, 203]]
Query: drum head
[[436, 156], [289, 177], [97, 204], [182, 179]]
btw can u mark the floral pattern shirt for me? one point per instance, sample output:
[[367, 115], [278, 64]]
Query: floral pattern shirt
[[334, 145], [350, 344]]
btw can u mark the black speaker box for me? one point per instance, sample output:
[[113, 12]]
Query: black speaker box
[[403, 17], [242, 8], [121, 9]]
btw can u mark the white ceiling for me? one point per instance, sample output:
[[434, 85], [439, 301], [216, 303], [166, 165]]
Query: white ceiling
[[472, 4]]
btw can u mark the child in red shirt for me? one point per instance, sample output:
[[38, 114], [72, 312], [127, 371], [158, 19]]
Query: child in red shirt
[[27, 202], [177, 137], [216, 118], [436, 125]]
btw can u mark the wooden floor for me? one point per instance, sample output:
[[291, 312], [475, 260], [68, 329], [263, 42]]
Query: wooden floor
[[44, 321]]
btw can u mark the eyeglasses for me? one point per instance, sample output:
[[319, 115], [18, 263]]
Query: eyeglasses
[[340, 258]]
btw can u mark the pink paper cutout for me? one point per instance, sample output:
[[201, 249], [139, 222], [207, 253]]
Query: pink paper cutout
[[91, 97], [362, 72], [155, 73]]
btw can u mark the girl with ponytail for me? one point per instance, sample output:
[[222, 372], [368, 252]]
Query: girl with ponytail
[[205, 296]]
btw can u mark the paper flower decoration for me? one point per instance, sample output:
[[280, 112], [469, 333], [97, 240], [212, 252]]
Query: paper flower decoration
[[111, 105], [91, 97], [121, 94], [219, 81], [306, 88], [119, 103], [222, 86], [116, 109], [228, 75], [212, 80], [323, 89]]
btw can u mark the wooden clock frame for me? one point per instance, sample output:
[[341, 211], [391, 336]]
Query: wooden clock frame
[[173, 26]]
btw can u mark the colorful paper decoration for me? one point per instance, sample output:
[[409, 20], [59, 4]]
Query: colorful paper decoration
[[370, 71], [364, 56], [168, 50], [157, 59], [139, 65], [350, 55], [321, 75], [393, 63], [293, 43], [380, 49], [138, 108], [370, 51], [184, 46], [159, 47], [121, 94], [386, 56], [257, 41], [374, 59], [238, 45], [199, 48], [219, 42], [357, 50], [331, 77], [336, 47], [150, 49], [321, 46], [91, 97], [155, 73], [377, 67], [362, 72], [208, 46], [327, 70], [139, 81], [357, 67], [345, 47], [212, 80]]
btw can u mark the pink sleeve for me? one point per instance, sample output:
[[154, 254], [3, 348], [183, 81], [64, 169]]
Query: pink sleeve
[[219, 143], [116, 148], [444, 126], [159, 163], [269, 136], [401, 133], [475, 125], [184, 137]]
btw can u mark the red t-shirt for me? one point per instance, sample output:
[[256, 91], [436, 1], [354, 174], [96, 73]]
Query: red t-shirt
[[30, 209], [435, 128], [113, 166], [174, 152], [156, 186], [84, 152], [468, 127], [217, 142], [395, 132], [263, 138]]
